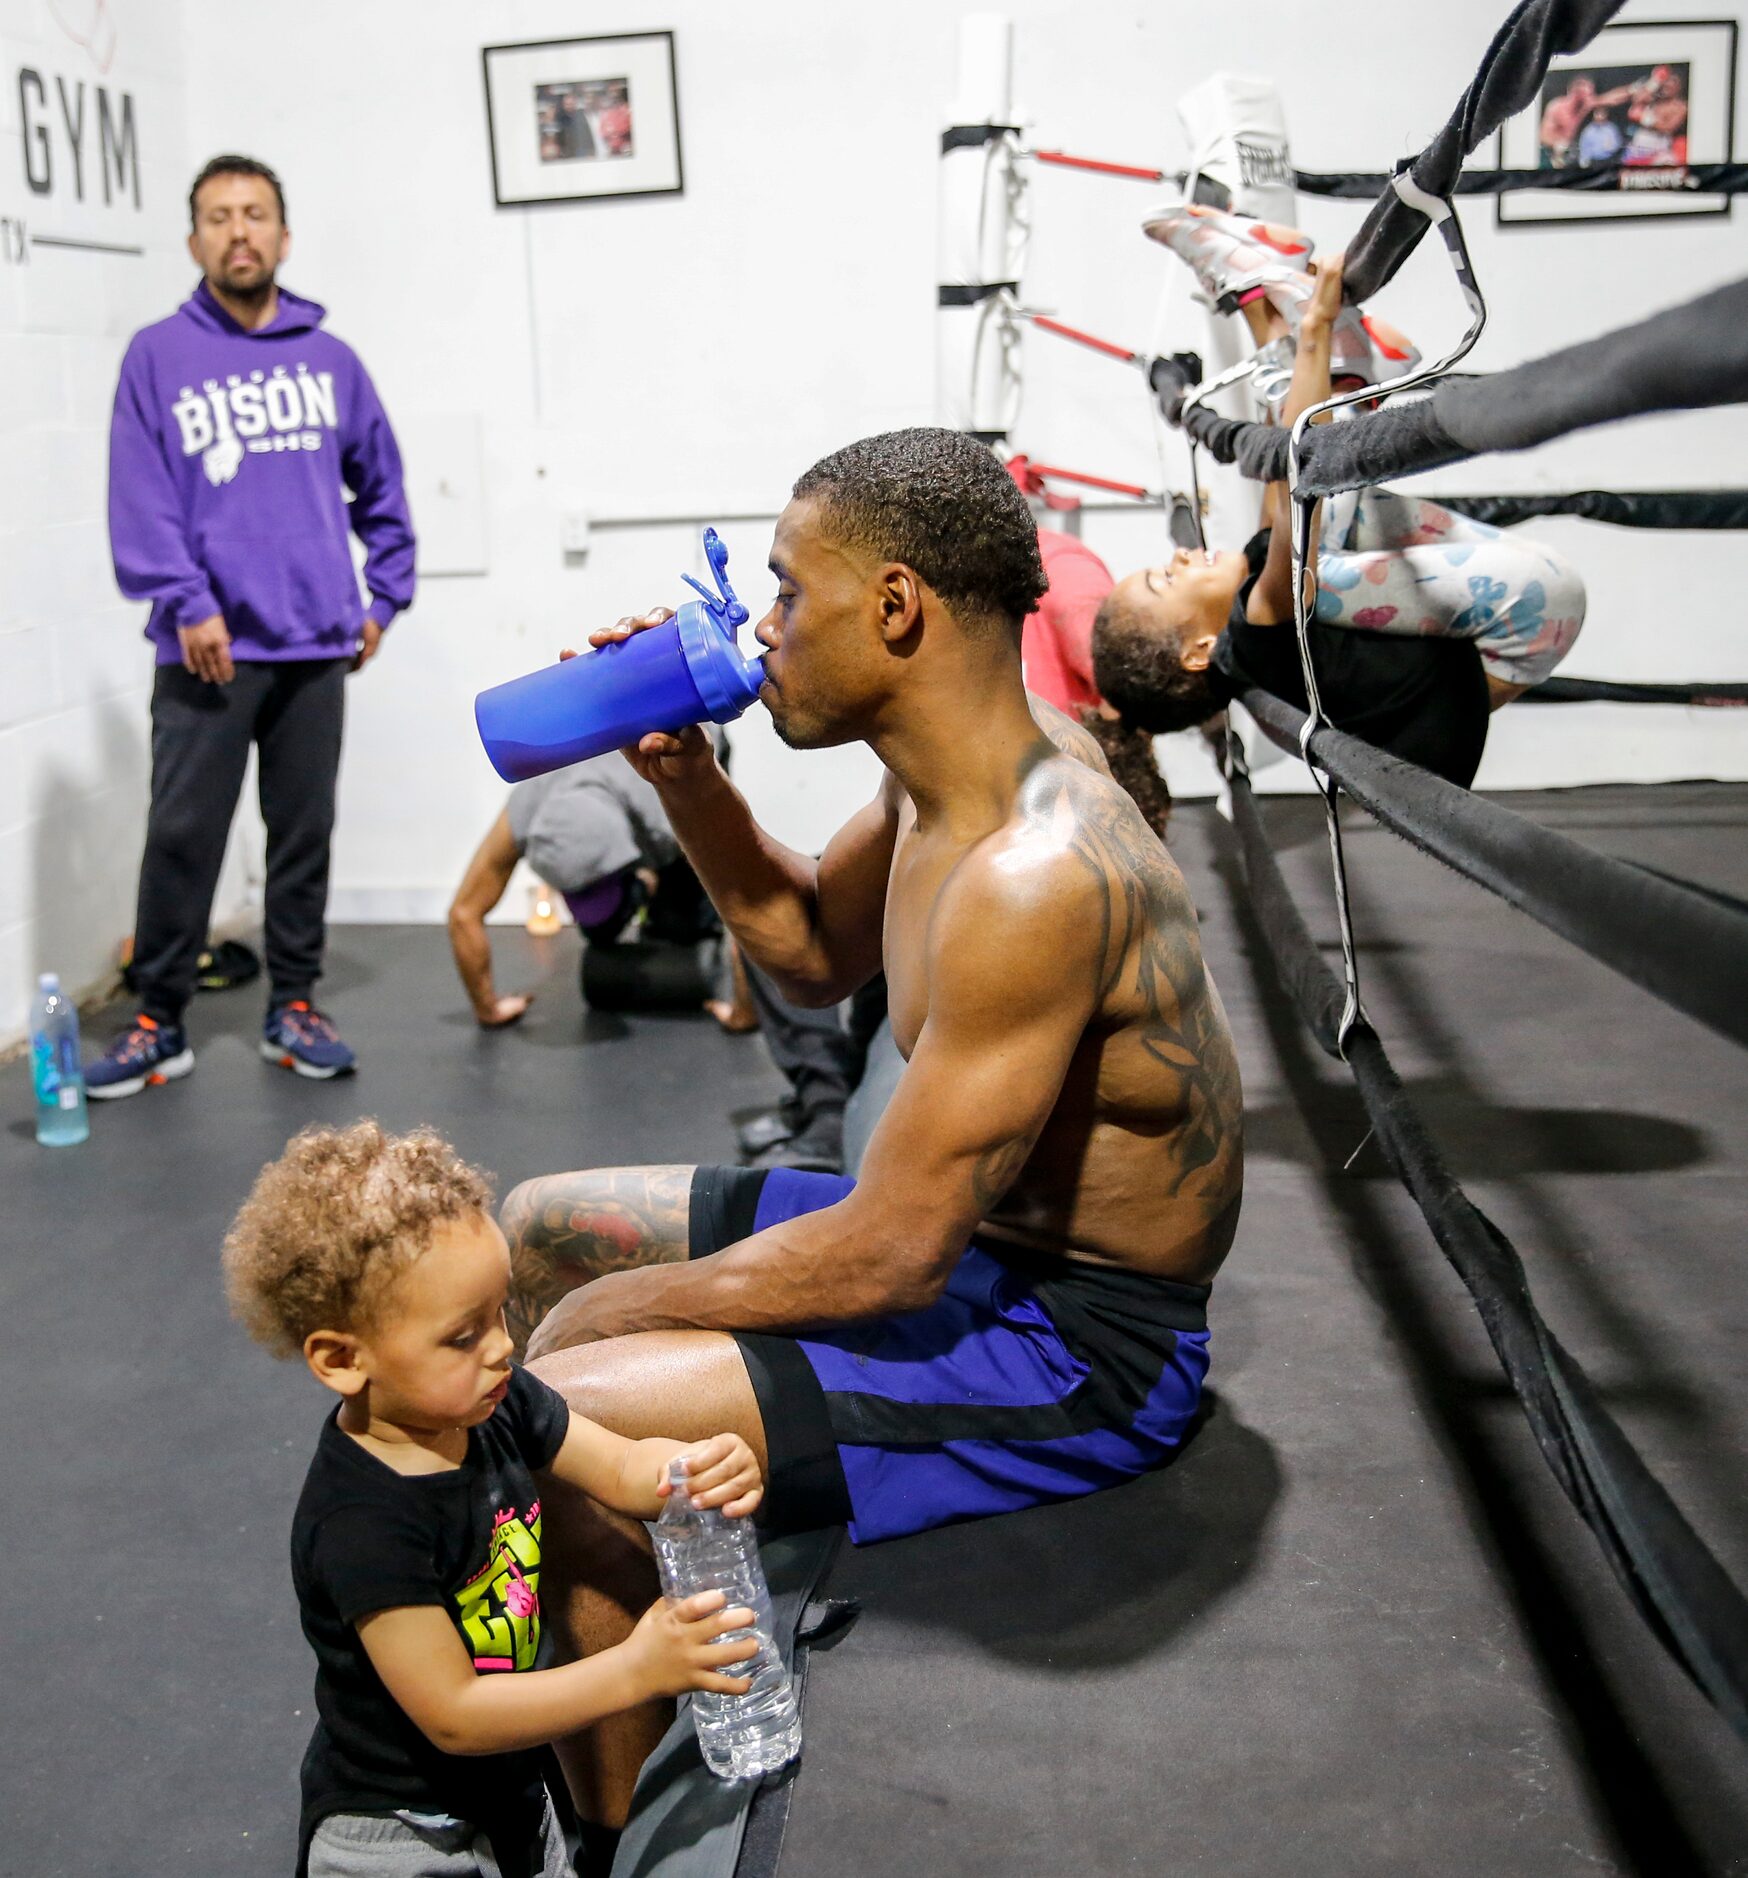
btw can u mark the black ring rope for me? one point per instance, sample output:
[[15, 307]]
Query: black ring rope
[[1640, 508], [1678, 943], [1630, 179], [1508, 81], [1686, 358], [1679, 1588], [1727, 696], [1630, 918], [1303, 506]]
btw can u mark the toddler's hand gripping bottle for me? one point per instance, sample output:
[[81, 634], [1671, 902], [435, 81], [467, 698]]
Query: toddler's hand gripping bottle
[[682, 672]]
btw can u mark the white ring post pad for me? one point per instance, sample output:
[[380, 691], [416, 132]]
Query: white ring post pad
[[981, 239], [1236, 129]]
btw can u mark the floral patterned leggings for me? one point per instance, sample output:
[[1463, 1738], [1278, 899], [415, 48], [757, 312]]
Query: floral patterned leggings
[[1394, 564]]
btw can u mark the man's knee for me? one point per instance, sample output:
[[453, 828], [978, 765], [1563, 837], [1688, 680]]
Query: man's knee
[[519, 1216], [564, 1230], [184, 835], [1534, 633], [551, 1205], [603, 1218]]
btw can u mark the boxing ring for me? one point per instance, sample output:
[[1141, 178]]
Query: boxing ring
[[1683, 943], [1349, 1630]]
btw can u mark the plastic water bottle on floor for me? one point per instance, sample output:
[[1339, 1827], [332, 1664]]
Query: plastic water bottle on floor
[[702, 1549], [54, 1061]]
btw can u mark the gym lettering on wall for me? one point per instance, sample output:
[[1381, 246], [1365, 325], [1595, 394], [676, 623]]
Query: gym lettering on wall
[[80, 145]]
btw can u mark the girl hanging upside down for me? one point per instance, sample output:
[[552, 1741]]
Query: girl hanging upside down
[[1424, 622]]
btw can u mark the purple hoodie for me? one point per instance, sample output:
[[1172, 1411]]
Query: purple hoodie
[[227, 455]]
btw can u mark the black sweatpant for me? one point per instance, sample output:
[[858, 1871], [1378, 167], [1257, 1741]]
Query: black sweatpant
[[817, 1052], [200, 747]]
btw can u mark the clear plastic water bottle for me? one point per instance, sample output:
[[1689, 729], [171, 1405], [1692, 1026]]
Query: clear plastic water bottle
[[701, 1549], [54, 1061]]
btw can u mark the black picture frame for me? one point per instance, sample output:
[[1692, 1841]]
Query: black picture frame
[[1679, 44], [586, 59]]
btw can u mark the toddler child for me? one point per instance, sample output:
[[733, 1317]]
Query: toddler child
[[416, 1544]]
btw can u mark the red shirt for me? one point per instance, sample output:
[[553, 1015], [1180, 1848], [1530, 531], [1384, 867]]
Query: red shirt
[[1056, 641]]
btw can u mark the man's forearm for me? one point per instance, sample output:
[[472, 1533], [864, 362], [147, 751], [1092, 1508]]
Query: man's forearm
[[473, 959], [802, 1273], [765, 892]]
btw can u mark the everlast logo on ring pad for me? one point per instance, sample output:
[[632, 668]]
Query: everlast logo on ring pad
[[1262, 162], [258, 412]]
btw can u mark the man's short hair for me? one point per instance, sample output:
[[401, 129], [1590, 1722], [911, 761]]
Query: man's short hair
[[235, 166], [943, 504], [1143, 675]]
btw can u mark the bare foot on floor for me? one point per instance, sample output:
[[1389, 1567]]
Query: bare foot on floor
[[737, 1019], [737, 1015]]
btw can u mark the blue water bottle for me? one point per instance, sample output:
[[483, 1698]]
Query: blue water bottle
[[54, 1062], [682, 672]]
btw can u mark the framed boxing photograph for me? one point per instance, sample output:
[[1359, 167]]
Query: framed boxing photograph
[[574, 120], [1628, 126]]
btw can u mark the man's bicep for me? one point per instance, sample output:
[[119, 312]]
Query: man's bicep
[[967, 1113], [1008, 1007]]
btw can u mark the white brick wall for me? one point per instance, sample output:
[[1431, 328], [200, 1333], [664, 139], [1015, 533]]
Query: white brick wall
[[608, 380], [75, 673], [691, 354]]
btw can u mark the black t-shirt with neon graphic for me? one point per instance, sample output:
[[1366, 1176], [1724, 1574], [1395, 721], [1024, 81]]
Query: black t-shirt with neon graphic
[[368, 1539], [1422, 699]]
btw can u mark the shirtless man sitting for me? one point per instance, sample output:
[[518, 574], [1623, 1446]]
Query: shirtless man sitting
[[1010, 1305]]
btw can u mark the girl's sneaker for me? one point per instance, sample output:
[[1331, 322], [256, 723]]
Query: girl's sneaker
[[1237, 260], [298, 1037], [1233, 257], [147, 1052], [1367, 348]]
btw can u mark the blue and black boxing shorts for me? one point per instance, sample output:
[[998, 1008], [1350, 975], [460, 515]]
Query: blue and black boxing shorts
[[1028, 1379]]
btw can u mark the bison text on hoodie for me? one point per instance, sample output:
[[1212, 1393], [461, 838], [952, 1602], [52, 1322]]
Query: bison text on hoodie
[[229, 456]]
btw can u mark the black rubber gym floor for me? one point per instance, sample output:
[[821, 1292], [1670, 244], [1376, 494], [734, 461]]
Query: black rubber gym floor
[[1355, 1629]]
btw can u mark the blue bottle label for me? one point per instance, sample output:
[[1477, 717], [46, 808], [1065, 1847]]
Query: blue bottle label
[[45, 1072], [55, 1071]]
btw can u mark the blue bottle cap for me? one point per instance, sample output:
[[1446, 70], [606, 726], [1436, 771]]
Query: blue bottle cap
[[727, 682], [725, 607]]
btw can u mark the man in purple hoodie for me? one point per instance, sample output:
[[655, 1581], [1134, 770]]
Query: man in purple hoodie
[[239, 428]]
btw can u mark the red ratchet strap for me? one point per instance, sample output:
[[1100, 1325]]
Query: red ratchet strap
[[1064, 161], [1108, 347], [1032, 477]]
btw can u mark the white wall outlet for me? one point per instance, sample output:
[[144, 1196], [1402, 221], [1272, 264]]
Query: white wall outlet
[[573, 532]]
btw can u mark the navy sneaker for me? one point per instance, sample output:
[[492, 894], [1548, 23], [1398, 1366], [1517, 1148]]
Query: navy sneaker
[[298, 1037], [146, 1052], [818, 1147]]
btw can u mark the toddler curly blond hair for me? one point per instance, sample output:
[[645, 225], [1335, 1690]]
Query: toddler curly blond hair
[[334, 1220]]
